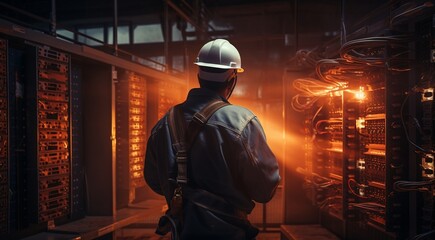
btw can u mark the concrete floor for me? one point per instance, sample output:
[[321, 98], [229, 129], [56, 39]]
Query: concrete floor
[[268, 236], [156, 208], [148, 234]]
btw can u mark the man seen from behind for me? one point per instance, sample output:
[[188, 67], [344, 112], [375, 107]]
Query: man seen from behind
[[211, 161]]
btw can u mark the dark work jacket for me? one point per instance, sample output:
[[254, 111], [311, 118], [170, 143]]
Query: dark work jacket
[[229, 158]]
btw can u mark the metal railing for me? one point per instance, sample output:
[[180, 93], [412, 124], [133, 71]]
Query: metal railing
[[48, 26]]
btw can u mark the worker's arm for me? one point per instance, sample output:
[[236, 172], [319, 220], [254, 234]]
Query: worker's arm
[[259, 167], [151, 172]]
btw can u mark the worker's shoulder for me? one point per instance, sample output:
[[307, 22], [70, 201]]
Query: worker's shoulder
[[237, 110], [159, 125], [233, 117]]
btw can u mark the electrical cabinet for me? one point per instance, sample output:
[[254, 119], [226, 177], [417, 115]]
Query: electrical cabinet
[[369, 128]]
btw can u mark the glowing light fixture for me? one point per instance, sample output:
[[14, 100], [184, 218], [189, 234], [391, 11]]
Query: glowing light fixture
[[360, 123], [360, 95]]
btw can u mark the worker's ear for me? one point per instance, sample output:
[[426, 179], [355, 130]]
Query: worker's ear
[[231, 84], [232, 81]]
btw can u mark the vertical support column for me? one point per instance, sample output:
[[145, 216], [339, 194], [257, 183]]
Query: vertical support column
[[113, 136], [97, 137], [4, 140], [77, 164], [166, 29]]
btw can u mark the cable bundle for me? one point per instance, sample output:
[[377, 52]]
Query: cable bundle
[[406, 186], [370, 207], [373, 51]]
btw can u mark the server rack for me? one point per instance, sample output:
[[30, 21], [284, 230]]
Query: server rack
[[131, 108], [50, 149], [36, 128], [57, 131]]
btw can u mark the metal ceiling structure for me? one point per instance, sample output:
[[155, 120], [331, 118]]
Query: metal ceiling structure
[[314, 15], [267, 33]]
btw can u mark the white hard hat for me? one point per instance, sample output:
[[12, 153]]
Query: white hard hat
[[221, 54]]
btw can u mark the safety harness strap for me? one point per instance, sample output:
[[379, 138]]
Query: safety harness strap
[[177, 127], [184, 136]]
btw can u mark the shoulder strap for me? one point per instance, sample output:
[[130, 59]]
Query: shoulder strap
[[177, 127], [200, 118], [183, 136]]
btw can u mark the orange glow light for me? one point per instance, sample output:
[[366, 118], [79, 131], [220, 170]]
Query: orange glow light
[[360, 95]]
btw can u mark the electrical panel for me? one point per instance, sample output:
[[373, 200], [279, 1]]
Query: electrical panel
[[4, 139], [325, 171], [422, 126], [131, 96], [382, 149], [355, 133]]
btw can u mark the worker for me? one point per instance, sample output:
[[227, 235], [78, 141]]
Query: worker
[[229, 164]]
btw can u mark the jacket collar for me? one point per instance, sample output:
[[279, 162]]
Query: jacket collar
[[204, 94]]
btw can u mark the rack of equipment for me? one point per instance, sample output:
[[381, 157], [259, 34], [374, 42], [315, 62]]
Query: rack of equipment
[[53, 134], [131, 96], [353, 109]]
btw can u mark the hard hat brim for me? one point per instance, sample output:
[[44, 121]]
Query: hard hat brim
[[213, 65]]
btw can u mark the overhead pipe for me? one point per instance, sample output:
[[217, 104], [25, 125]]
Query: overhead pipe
[[20, 11], [115, 27], [343, 24], [296, 23], [53, 18], [166, 45], [183, 15]]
